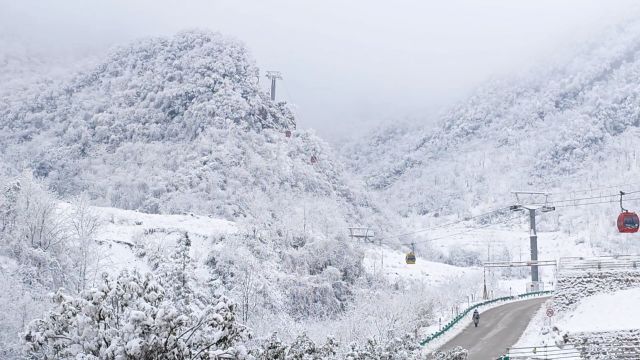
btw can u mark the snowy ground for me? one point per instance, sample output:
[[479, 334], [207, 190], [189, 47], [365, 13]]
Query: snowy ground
[[394, 267], [604, 312], [538, 333], [122, 232], [489, 243], [597, 313]]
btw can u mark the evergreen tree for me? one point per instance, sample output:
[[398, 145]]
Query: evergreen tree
[[302, 348], [130, 317], [180, 271], [272, 349]]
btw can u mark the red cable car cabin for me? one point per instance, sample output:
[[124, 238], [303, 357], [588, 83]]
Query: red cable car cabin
[[628, 222]]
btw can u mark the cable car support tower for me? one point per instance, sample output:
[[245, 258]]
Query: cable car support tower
[[533, 234], [273, 76]]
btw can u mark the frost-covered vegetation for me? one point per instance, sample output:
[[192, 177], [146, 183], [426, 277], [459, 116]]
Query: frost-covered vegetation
[[568, 126], [171, 125], [70, 298], [176, 125], [179, 125]]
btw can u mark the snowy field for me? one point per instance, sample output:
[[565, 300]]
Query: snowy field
[[394, 267], [604, 312], [598, 313], [122, 232]]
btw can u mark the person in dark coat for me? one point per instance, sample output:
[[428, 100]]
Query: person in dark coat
[[476, 317]]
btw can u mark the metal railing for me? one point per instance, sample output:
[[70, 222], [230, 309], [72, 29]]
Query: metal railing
[[599, 263], [466, 312], [612, 351], [543, 352], [510, 264]]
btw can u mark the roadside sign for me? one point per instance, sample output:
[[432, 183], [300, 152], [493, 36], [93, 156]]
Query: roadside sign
[[550, 312]]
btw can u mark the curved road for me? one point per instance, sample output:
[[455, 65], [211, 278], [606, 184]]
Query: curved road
[[499, 328]]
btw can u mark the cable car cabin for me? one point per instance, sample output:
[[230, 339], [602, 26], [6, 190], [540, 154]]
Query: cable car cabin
[[628, 222], [410, 258]]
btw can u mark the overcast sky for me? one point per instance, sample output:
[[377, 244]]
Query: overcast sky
[[346, 64]]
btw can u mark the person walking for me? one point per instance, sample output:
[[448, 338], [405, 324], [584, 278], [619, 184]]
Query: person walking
[[476, 317]]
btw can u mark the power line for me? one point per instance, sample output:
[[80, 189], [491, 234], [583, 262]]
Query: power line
[[507, 219], [445, 224], [587, 198], [286, 91], [466, 231], [594, 189], [598, 202]]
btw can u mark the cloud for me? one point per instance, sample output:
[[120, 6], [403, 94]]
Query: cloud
[[346, 64]]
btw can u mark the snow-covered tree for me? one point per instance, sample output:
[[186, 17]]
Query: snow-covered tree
[[86, 257], [457, 353], [271, 349], [131, 317], [302, 348]]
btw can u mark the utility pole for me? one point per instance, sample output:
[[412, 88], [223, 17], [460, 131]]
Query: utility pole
[[484, 280], [533, 240], [533, 234], [273, 75], [381, 258]]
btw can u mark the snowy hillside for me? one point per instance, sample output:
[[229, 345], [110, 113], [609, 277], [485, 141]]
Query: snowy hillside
[[176, 124], [165, 180], [124, 234], [567, 126], [604, 312]]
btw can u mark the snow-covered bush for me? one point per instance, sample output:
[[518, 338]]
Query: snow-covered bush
[[459, 256], [42, 248], [457, 353], [312, 281], [395, 349], [132, 316]]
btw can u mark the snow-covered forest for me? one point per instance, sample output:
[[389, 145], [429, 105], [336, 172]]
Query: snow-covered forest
[[179, 126], [569, 128], [157, 204]]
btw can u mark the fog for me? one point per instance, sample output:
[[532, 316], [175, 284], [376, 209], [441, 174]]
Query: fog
[[347, 65]]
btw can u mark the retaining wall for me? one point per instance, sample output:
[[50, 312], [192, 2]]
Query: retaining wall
[[575, 285], [623, 344]]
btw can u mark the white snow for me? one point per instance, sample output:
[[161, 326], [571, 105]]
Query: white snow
[[126, 224], [598, 313], [394, 267], [604, 312], [122, 231]]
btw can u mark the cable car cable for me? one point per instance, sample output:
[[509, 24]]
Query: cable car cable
[[445, 224], [466, 231], [586, 198], [594, 189], [596, 203], [507, 219]]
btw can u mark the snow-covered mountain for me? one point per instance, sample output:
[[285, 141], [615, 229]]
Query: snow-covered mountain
[[567, 125], [178, 129], [172, 125], [179, 125]]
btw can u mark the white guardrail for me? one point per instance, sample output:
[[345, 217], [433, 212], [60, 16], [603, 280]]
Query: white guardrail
[[599, 263]]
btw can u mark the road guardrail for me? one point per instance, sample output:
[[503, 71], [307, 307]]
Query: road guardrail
[[466, 312]]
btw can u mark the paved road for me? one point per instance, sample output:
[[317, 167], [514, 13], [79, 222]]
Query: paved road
[[499, 328]]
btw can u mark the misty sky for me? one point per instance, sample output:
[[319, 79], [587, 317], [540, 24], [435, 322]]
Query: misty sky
[[347, 65]]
